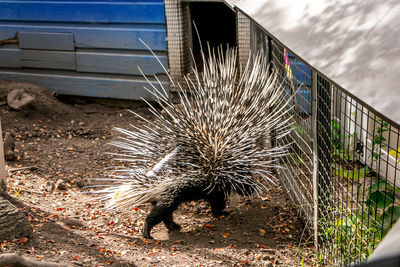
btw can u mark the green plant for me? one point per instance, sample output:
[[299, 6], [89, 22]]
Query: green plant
[[380, 202], [340, 151], [336, 135], [298, 129], [378, 139], [353, 234], [354, 174], [348, 237], [344, 155]]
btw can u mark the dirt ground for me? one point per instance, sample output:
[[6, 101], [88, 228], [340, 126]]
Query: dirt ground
[[74, 228]]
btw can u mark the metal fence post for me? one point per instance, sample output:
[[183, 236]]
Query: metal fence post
[[243, 32], [322, 157], [314, 107], [324, 102]]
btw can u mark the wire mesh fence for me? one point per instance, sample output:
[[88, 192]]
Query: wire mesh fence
[[343, 166]]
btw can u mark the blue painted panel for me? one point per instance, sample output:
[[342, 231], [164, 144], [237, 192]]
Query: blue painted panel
[[87, 60], [97, 41], [122, 39], [122, 63], [302, 80], [47, 59], [46, 40], [105, 36], [304, 99], [110, 12], [70, 84], [301, 72], [9, 57]]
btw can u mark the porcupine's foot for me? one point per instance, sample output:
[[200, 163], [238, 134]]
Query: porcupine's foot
[[218, 203], [221, 213], [170, 224], [146, 231]]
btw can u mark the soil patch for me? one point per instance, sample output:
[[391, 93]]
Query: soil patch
[[72, 227]]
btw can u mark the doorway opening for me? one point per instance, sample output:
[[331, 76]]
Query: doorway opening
[[216, 25]]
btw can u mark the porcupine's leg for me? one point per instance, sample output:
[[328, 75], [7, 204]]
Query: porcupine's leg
[[218, 201], [161, 212], [170, 224], [155, 217]]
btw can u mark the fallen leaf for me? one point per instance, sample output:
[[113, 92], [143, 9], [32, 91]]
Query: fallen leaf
[[145, 241], [23, 240], [75, 258], [262, 232]]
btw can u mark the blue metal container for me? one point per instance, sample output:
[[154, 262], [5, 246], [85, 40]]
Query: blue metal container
[[88, 48], [302, 82]]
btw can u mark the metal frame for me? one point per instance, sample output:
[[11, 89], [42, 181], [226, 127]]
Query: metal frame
[[344, 160], [178, 40]]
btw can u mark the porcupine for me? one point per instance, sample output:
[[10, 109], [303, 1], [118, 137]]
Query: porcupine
[[206, 146]]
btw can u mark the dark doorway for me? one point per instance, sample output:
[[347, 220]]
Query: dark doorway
[[216, 24]]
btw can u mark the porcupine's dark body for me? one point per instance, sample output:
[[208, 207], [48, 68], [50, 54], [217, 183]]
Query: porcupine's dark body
[[186, 191], [171, 199], [207, 146]]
